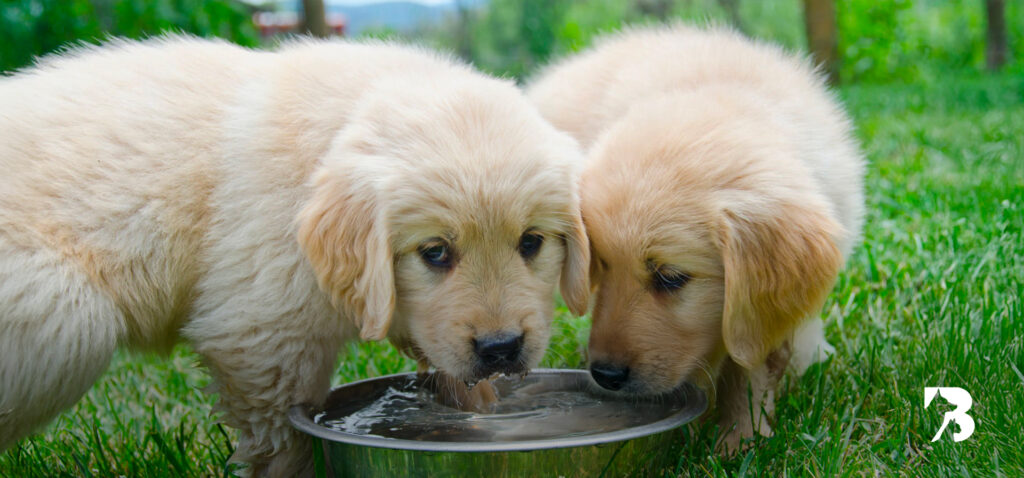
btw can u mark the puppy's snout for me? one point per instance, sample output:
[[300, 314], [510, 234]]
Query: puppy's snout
[[499, 351], [608, 375]]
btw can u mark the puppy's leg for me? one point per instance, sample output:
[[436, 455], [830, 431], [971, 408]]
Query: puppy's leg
[[746, 398], [57, 335], [261, 366], [735, 416]]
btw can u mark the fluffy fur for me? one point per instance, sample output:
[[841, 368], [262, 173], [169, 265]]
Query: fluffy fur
[[724, 163], [267, 206]]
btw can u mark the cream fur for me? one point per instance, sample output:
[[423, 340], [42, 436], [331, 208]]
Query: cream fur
[[183, 186], [724, 159]]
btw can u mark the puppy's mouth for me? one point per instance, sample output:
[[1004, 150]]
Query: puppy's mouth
[[486, 362], [488, 373]]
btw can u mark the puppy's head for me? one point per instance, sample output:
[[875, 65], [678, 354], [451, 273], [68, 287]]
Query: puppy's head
[[443, 218], [709, 238]]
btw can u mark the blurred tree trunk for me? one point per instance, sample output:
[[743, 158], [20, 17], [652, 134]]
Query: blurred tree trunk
[[654, 8], [463, 31], [314, 18], [996, 51], [823, 36], [732, 9]]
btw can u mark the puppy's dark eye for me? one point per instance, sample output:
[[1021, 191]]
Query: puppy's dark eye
[[436, 255], [529, 244], [668, 280]]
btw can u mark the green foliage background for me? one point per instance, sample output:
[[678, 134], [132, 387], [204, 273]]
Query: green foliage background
[[897, 40], [923, 40], [29, 28]]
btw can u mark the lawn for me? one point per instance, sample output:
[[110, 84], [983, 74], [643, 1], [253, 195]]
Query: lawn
[[932, 298]]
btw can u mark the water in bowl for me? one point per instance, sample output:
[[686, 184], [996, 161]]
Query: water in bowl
[[527, 409]]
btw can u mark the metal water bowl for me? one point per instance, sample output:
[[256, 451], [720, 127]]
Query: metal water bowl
[[648, 449]]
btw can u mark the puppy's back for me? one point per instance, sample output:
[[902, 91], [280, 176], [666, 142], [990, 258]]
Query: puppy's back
[[121, 159], [127, 109], [125, 118], [625, 68]]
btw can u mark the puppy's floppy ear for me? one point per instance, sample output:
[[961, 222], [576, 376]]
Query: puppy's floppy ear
[[575, 281], [342, 233], [779, 268]]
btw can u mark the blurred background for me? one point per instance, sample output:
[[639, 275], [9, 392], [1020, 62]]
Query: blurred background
[[933, 296], [855, 40]]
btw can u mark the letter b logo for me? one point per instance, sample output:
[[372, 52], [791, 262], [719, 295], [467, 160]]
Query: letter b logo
[[962, 400]]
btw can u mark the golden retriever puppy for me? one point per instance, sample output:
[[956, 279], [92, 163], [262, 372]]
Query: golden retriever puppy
[[266, 207], [721, 195]]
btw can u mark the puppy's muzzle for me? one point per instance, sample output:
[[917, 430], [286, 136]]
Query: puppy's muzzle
[[498, 353]]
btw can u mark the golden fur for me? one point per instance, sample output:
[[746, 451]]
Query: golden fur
[[266, 206], [722, 160]]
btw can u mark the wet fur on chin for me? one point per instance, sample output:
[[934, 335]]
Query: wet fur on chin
[[731, 163], [267, 207]]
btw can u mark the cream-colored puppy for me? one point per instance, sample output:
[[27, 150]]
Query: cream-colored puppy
[[721, 196], [268, 206]]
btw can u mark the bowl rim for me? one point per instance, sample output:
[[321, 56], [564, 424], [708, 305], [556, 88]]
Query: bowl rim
[[301, 418]]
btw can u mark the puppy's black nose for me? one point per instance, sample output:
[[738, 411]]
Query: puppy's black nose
[[498, 350], [609, 376]]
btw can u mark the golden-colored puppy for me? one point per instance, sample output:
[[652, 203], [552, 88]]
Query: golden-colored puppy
[[722, 193], [268, 206]]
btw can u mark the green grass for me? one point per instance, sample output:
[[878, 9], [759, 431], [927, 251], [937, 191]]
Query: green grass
[[932, 298]]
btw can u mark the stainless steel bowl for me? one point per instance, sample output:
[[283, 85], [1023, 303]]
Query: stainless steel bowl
[[637, 451]]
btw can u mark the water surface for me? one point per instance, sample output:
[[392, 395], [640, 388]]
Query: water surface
[[537, 407]]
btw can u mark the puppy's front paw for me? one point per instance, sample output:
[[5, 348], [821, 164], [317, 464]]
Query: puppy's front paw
[[292, 460], [296, 461], [738, 435]]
